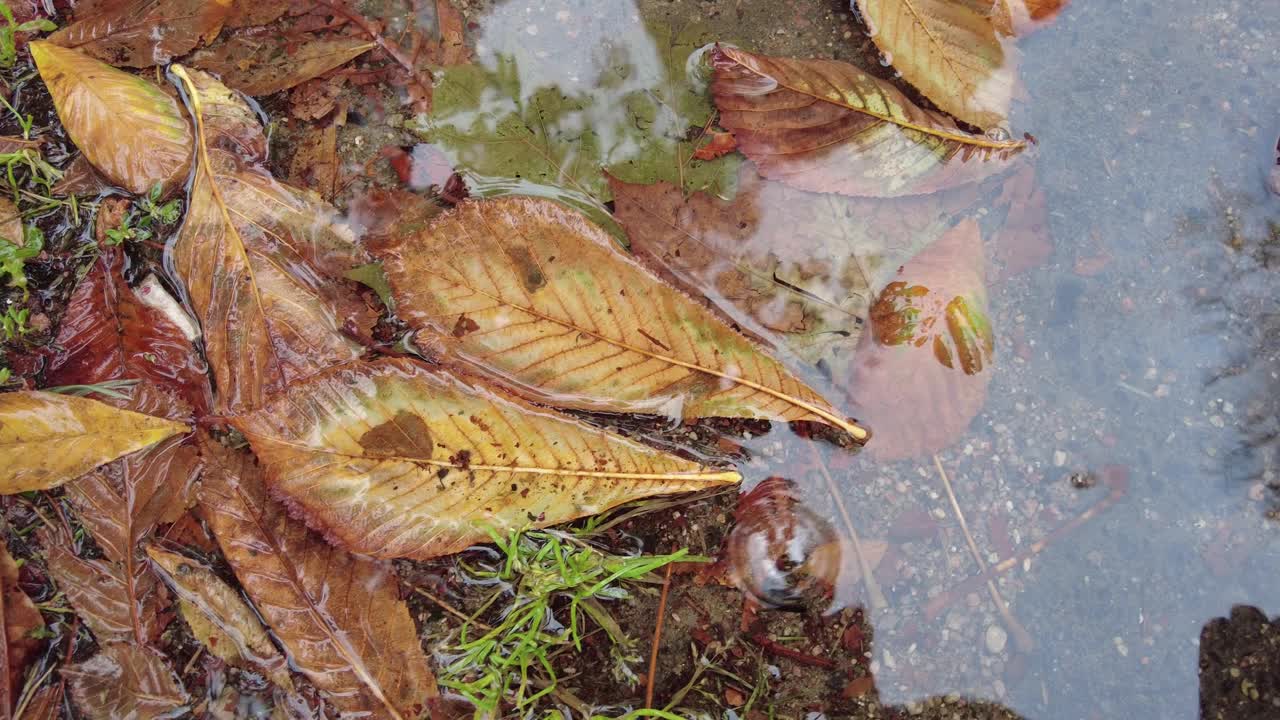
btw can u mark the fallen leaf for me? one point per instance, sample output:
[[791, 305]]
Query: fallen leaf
[[118, 608], [315, 163], [722, 143], [141, 33], [11, 223], [47, 439], [262, 63], [1023, 242], [20, 620], [339, 616], [245, 13], [316, 98], [13, 144], [109, 333], [950, 51], [81, 178], [219, 618], [826, 126], [540, 299], [126, 126], [259, 259], [453, 42], [921, 374], [46, 704], [125, 681], [435, 461], [1021, 17]]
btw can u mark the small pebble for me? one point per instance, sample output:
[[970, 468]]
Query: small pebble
[[1059, 458], [996, 639]]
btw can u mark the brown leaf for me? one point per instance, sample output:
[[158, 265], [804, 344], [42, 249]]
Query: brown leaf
[[116, 607], [141, 33], [453, 43], [47, 439], [950, 51], [219, 618], [922, 373], [20, 620], [125, 681], [11, 223], [262, 63], [1023, 242], [109, 333], [13, 144], [130, 129], [315, 164], [1021, 17], [560, 315], [722, 143], [434, 461], [81, 178], [339, 616], [826, 126], [46, 704], [245, 13], [316, 98], [258, 257]]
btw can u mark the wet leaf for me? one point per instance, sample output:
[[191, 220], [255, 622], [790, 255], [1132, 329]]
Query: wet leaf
[[126, 126], [950, 51], [117, 607], [256, 257], [219, 618], [141, 33], [433, 461], [1020, 17], [339, 616], [46, 704], [1024, 241], [47, 439], [922, 371], [267, 62], [125, 681], [245, 13], [11, 223], [511, 121], [81, 178], [826, 126], [108, 333], [20, 620], [539, 298]]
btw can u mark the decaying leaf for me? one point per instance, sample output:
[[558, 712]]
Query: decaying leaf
[[339, 616], [262, 63], [116, 607], [125, 681], [531, 293], [19, 618], [950, 51], [109, 333], [47, 439], [11, 223], [80, 178], [398, 460], [826, 126], [257, 256], [219, 618], [922, 372], [513, 117], [245, 13], [126, 126], [141, 33]]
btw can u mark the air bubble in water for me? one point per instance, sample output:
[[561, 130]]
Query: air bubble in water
[[998, 134], [780, 552]]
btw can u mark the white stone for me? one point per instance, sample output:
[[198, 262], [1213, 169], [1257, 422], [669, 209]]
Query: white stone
[[996, 639]]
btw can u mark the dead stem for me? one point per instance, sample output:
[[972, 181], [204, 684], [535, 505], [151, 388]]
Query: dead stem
[[1021, 638], [873, 588], [657, 637], [452, 610]]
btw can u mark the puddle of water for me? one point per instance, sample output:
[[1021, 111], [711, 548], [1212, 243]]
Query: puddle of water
[[1136, 369]]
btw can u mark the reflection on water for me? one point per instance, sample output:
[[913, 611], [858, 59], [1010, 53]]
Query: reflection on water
[[1118, 487]]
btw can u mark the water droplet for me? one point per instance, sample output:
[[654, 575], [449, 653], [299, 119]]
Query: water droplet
[[780, 552], [998, 134]]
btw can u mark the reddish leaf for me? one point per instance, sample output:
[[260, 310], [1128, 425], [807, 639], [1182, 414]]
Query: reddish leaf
[[81, 178], [922, 373], [256, 12], [453, 43], [46, 704], [1023, 242], [1020, 17], [268, 61], [20, 619], [125, 681], [141, 33], [108, 333], [339, 616], [722, 143], [114, 607]]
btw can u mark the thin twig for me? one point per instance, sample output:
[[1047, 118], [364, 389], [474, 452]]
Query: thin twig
[[873, 588], [452, 610], [657, 637], [1021, 638]]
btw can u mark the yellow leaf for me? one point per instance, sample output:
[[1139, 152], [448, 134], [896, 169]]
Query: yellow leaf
[[47, 439], [530, 292], [827, 126], [219, 618], [253, 254], [950, 51], [395, 459], [127, 127]]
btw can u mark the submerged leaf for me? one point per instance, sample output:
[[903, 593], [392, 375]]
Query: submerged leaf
[[126, 126], [950, 51], [258, 259], [826, 126], [141, 33], [339, 616], [1020, 17], [922, 372], [125, 681], [219, 618], [47, 439], [398, 460], [265, 63], [531, 293], [19, 619]]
